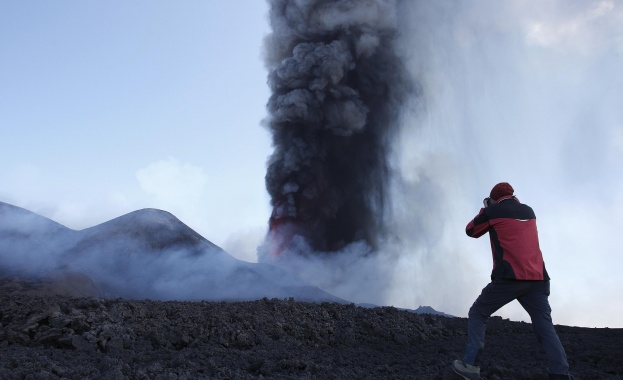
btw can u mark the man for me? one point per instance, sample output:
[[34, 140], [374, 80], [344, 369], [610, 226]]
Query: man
[[518, 274]]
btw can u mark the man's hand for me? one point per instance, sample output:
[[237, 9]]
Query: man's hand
[[487, 202]]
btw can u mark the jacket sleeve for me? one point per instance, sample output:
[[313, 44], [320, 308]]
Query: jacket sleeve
[[479, 225]]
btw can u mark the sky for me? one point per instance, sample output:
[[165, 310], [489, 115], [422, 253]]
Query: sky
[[107, 107], [110, 107]]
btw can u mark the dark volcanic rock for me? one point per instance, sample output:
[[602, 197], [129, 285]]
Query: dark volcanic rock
[[90, 338]]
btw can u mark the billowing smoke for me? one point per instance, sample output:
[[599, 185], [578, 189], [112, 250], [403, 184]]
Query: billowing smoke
[[338, 84], [506, 91]]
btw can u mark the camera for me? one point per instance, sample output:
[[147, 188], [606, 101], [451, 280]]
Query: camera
[[487, 202]]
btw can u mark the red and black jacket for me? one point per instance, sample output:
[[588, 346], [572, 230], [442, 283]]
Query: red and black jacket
[[514, 240]]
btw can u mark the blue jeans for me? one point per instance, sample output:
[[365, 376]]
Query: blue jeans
[[532, 295]]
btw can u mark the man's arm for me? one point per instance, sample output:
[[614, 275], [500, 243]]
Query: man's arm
[[478, 226]]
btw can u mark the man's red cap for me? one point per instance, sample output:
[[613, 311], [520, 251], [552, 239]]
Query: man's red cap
[[502, 189]]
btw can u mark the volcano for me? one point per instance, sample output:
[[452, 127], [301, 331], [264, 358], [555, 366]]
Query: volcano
[[146, 254]]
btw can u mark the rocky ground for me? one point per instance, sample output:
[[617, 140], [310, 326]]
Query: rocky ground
[[58, 337]]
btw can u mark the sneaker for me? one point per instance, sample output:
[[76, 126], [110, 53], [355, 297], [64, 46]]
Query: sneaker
[[466, 371]]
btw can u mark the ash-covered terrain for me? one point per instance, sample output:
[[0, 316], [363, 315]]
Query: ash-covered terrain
[[57, 337]]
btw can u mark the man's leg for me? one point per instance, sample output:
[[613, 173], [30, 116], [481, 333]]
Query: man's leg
[[537, 305], [493, 297]]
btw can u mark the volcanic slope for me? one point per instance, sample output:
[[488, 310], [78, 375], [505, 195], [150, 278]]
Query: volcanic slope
[[146, 254]]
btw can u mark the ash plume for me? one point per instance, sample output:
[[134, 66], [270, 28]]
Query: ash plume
[[338, 85]]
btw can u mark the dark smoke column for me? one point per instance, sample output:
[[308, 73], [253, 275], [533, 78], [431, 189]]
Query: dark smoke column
[[337, 88]]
